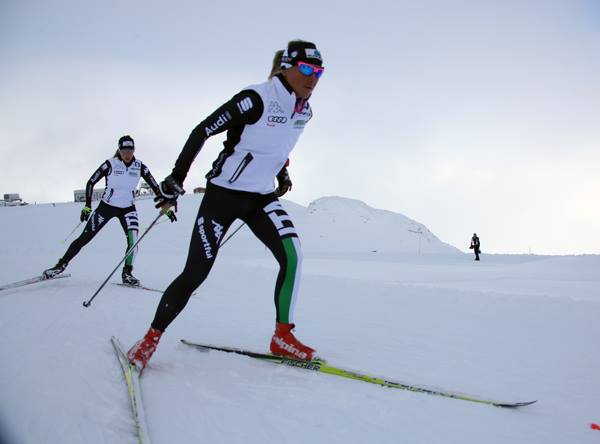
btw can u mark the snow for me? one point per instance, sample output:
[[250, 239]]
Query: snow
[[514, 327]]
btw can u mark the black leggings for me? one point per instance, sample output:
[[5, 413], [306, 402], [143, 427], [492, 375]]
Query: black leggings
[[267, 219], [129, 222]]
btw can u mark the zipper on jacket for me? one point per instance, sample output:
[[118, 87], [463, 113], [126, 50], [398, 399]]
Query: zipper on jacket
[[241, 167], [110, 195]]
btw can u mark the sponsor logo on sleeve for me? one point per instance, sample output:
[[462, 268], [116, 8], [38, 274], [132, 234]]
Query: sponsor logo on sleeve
[[221, 120], [245, 105]]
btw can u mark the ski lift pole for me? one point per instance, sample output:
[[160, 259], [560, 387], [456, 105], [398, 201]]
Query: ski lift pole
[[420, 233], [89, 301]]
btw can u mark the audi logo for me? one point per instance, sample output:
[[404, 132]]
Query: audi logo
[[277, 119]]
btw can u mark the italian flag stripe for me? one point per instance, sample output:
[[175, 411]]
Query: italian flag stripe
[[289, 287], [130, 242]]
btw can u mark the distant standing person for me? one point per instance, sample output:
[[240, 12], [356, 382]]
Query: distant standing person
[[475, 246], [122, 173]]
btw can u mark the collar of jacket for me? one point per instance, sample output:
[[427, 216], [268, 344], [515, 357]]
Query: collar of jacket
[[285, 83], [121, 159], [299, 102]]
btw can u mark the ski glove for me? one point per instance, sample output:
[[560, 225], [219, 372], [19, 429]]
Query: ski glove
[[171, 214], [85, 214], [170, 189], [284, 181]]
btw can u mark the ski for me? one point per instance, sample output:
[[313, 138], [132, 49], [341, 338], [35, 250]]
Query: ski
[[142, 287], [32, 280], [322, 366], [132, 379], [139, 287]]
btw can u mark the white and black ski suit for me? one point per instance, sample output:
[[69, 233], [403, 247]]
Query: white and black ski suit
[[117, 201], [263, 124]]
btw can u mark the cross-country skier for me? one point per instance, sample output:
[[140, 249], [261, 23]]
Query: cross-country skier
[[122, 174], [263, 124], [475, 246]]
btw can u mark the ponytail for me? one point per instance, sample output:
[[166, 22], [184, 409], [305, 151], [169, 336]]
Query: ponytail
[[276, 68]]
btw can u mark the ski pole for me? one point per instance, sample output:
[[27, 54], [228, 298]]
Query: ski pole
[[157, 223], [73, 231], [91, 215], [89, 302], [231, 235], [236, 230]]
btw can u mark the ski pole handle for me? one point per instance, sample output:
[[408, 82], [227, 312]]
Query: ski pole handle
[[89, 301]]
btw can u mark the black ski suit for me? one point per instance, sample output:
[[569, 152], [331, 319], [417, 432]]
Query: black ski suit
[[475, 246]]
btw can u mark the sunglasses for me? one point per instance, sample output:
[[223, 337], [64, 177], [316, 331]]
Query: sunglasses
[[308, 70]]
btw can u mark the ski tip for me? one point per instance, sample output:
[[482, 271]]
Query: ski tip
[[115, 341], [514, 405]]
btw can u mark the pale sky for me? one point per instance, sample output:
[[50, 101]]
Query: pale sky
[[467, 116]]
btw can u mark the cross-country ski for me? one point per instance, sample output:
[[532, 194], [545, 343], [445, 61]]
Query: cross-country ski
[[30, 281], [138, 287], [321, 366], [134, 390]]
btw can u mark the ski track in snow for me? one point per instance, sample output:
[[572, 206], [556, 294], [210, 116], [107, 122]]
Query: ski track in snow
[[510, 327]]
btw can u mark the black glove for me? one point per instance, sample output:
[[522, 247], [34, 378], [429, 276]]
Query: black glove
[[85, 213], [170, 190], [284, 181]]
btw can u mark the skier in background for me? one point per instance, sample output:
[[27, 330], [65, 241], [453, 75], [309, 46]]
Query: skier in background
[[475, 246], [122, 174], [263, 124]]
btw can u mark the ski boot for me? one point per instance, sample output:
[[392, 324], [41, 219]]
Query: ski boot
[[284, 343], [128, 278], [56, 270], [142, 351]]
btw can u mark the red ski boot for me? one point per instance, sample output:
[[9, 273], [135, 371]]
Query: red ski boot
[[142, 351], [284, 343]]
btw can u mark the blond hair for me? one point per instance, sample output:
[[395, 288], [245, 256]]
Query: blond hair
[[276, 68]]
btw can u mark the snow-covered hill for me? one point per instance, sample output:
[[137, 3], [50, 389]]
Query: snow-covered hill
[[511, 327], [338, 224], [334, 223]]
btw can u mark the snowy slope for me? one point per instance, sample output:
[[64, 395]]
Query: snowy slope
[[330, 220], [514, 327], [338, 224]]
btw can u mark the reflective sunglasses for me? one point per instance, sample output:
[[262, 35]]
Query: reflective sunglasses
[[308, 70]]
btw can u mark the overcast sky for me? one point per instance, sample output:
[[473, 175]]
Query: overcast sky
[[467, 116]]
